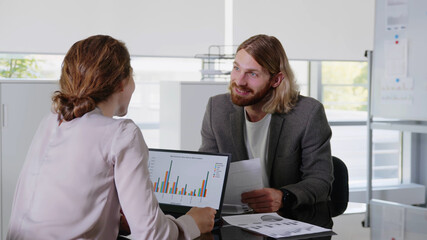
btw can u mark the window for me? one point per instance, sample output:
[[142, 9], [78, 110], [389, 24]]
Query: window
[[344, 93], [344, 86], [301, 72], [340, 85], [148, 73], [30, 66]]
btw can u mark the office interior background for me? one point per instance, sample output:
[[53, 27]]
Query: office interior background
[[193, 41]]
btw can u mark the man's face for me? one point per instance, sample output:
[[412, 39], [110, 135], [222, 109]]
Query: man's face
[[249, 82]]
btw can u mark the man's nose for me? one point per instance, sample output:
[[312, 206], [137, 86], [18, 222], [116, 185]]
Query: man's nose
[[240, 79]]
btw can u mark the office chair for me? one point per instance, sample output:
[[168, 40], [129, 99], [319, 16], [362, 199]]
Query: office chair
[[339, 194]]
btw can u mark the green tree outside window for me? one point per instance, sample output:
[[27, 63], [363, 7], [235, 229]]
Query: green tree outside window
[[18, 68], [345, 85]]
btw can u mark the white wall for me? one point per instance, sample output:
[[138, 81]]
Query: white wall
[[161, 27], [309, 29]]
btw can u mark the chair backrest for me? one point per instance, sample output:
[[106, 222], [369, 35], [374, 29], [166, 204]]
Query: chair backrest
[[339, 194]]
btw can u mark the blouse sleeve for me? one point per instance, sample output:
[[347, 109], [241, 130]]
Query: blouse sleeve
[[135, 190]]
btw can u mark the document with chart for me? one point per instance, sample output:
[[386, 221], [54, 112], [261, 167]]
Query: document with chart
[[273, 225]]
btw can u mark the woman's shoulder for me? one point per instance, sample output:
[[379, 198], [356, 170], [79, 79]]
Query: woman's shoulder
[[95, 122], [96, 115]]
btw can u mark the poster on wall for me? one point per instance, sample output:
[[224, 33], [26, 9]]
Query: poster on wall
[[397, 14]]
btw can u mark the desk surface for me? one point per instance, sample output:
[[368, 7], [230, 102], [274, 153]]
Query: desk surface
[[317, 214], [314, 214]]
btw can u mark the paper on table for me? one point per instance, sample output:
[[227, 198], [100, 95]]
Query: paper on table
[[243, 176], [273, 225]]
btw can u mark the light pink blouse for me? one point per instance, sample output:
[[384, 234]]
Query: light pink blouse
[[77, 175]]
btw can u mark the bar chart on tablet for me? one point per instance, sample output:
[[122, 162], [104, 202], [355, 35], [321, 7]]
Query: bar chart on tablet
[[177, 188], [186, 179]]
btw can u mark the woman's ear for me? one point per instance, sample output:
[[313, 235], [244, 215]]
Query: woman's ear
[[121, 86], [277, 79]]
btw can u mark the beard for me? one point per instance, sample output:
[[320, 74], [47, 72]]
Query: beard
[[252, 98]]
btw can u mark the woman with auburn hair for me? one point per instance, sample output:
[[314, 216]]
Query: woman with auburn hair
[[83, 164]]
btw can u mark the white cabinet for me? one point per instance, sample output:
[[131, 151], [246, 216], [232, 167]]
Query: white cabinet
[[182, 107], [23, 105]]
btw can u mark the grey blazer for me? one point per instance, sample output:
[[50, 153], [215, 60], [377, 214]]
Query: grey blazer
[[299, 157]]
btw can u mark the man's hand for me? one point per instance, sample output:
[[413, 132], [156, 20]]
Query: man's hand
[[264, 200]]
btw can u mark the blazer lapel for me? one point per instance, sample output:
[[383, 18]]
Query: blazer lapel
[[236, 125], [276, 124]]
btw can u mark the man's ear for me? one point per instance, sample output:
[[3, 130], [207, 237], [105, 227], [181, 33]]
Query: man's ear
[[277, 79]]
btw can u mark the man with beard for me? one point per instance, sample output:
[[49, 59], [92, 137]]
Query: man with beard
[[265, 117]]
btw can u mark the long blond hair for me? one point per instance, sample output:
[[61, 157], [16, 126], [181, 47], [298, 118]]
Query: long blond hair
[[269, 53]]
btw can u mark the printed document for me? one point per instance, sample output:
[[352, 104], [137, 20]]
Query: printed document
[[273, 225], [243, 176]]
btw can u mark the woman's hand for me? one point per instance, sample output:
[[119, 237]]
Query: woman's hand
[[204, 218]]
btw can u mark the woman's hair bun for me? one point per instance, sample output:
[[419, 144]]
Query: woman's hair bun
[[92, 71], [70, 107]]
